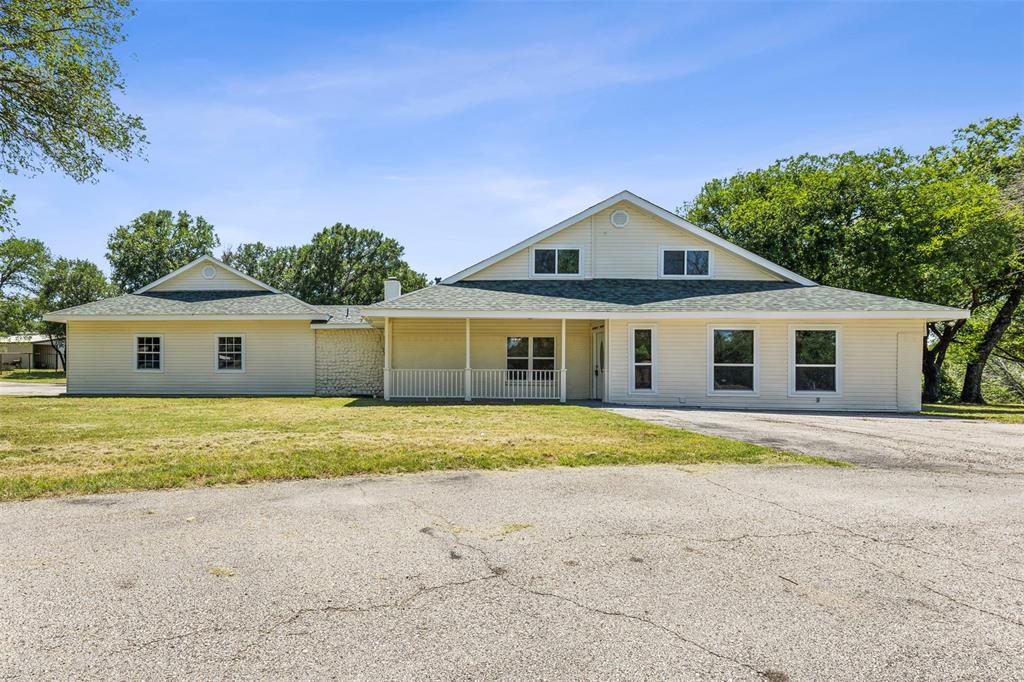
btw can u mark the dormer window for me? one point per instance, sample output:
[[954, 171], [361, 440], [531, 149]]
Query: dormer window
[[556, 261], [685, 263]]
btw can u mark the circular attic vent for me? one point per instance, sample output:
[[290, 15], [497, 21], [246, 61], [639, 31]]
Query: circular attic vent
[[209, 272], [620, 218]]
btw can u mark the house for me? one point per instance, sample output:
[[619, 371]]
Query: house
[[29, 351], [625, 302]]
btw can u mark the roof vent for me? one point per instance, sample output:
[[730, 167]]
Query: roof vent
[[619, 218], [209, 272]]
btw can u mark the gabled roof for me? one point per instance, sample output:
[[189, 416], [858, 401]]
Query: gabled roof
[[651, 298], [194, 305], [643, 204], [209, 259]]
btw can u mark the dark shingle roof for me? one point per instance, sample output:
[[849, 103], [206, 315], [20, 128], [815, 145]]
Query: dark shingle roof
[[198, 303], [647, 295]]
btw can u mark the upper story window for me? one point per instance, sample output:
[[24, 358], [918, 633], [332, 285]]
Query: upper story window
[[685, 262], [149, 353], [556, 261]]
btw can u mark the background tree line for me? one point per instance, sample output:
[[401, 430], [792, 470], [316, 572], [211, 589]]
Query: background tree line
[[945, 226]]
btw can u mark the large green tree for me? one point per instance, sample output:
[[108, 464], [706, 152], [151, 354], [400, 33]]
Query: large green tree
[[990, 156], [274, 265], [887, 222], [22, 264], [66, 283], [155, 244], [58, 78], [342, 265]]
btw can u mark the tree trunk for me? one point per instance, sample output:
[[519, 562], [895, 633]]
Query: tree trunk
[[934, 358], [976, 368], [61, 361]]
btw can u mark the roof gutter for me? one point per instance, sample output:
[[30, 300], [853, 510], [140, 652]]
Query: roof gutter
[[55, 317], [928, 315]]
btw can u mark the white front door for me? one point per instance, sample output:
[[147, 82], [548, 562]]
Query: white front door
[[597, 365]]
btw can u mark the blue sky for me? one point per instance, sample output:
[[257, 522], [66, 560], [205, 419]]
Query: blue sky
[[460, 129]]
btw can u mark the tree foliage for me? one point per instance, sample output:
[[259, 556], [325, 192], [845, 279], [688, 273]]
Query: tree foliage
[[22, 263], [155, 244], [58, 77], [342, 265], [274, 265]]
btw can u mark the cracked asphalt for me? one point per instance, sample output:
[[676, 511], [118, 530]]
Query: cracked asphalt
[[720, 572]]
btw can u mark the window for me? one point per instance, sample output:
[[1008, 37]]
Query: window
[[530, 357], [815, 360], [685, 262], [556, 261], [149, 353], [733, 366], [642, 350], [230, 353]]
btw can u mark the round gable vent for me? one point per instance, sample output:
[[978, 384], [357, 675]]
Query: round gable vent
[[209, 272], [620, 218]]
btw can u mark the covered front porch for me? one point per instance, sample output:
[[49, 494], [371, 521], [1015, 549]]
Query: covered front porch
[[493, 359]]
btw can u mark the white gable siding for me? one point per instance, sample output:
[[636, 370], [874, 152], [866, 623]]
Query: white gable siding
[[193, 280], [627, 253]]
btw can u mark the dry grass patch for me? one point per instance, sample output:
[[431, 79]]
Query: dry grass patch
[[87, 445], [1006, 413]]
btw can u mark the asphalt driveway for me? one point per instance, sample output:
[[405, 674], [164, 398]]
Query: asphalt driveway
[[29, 388], [712, 572], [890, 441]]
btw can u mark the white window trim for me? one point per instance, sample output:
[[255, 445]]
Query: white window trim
[[712, 328], [549, 247], [216, 351], [135, 353], [632, 359], [793, 329], [661, 262]]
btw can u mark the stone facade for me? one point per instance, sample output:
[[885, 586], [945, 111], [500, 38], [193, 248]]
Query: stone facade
[[349, 362]]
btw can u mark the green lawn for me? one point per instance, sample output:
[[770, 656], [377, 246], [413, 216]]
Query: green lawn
[[42, 376], [88, 445], [1008, 414]]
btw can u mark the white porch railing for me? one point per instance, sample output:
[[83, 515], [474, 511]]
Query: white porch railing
[[428, 383], [514, 384], [484, 384]]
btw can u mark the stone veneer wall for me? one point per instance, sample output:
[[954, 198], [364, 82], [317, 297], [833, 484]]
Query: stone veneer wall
[[349, 362]]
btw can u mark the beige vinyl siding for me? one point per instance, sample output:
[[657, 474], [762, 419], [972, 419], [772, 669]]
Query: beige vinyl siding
[[872, 366], [631, 252], [421, 343], [193, 280], [279, 358]]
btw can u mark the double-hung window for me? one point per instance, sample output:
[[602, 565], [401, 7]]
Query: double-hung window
[[230, 354], [732, 366], [529, 357], [814, 360], [149, 353], [685, 263], [556, 261], [642, 351]]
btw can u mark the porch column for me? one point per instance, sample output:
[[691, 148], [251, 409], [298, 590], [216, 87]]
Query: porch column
[[468, 379], [387, 358], [561, 374]]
